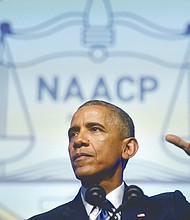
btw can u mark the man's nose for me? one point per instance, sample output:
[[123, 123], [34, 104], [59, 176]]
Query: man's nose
[[81, 140]]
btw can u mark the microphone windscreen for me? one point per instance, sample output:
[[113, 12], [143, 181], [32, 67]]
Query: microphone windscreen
[[95, 195], [134, 194]]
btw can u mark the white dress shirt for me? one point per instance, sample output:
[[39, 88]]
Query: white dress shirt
[[115, 197]]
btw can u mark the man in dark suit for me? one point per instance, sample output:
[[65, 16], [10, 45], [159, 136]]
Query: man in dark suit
[[101, 141]]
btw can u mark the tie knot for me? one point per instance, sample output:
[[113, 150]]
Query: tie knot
[[98, 213], [104, 212], [102, 215]]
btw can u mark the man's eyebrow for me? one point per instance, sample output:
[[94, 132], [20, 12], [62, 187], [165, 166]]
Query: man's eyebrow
[[92, 124], [88, 125]]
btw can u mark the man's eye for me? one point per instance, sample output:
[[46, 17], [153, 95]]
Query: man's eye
[[95, 129], [72, 134]]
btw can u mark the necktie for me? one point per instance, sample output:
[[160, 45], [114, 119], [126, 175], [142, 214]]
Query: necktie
[[103, 215], [98, 214]]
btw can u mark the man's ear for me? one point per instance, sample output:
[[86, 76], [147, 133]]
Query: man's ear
[[130, 147]]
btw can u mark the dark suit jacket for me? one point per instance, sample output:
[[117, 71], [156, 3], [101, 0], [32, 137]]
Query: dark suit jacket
[[165, 206]]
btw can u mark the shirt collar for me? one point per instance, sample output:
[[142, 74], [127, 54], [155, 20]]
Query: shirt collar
[[87, 206], [115, 197]]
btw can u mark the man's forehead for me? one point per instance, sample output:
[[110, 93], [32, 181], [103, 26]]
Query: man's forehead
[[95, 111]]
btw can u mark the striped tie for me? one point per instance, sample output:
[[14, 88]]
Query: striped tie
[[103, 215], [98, 213]]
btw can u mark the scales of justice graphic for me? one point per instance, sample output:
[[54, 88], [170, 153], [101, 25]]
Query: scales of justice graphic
[[13, 144], [98, 37]]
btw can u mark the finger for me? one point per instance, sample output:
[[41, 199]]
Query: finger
[[178, 142]]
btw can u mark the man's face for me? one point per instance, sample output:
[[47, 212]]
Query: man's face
[[94, 143]]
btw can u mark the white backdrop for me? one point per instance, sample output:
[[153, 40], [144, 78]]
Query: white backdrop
[[54, 55]]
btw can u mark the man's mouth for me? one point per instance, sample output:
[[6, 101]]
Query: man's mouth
[[80, 156]]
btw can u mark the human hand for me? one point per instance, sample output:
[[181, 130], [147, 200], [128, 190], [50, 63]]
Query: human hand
[[177, 141]]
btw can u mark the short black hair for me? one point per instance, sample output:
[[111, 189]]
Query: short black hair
[[125, 121]]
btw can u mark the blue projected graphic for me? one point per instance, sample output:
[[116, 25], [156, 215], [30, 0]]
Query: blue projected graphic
[[12, 146], [98, 42]]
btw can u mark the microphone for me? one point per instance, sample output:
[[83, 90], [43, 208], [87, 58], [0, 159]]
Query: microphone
[[96, 196], [134, 194]]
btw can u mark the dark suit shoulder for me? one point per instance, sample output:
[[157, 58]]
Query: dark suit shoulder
[[174, 197], [70, 210], [171, 204], [52, 213]]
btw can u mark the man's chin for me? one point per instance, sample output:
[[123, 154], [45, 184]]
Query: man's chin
[[87, 179]]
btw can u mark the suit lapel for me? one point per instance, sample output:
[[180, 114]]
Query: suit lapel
[[136, 212], [75, 209]]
